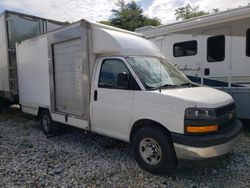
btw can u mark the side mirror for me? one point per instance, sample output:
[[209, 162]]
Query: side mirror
[[123, 80]]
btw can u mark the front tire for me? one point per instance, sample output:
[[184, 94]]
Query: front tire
[[153, 150]]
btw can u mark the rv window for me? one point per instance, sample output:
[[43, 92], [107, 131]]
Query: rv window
[[187, 48], [248, 43], [216, 48]]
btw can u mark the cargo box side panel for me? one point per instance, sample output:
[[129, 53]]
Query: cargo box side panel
[[33, 73], [4, 65]]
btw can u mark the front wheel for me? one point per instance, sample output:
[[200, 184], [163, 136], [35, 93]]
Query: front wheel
[[154, 150]]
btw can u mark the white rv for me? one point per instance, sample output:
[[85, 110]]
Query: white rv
[[115, 83], [213, 50]]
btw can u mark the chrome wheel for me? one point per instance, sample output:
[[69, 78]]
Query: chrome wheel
[[150, 151], [46, 123]]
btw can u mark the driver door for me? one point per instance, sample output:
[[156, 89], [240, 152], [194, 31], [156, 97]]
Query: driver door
[[111, 103]]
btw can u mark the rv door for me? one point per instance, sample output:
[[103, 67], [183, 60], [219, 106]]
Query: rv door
[[217, 57]]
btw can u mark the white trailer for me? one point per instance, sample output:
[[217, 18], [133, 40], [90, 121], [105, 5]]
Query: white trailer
[[15, 27], [115, 83], [213, 50]]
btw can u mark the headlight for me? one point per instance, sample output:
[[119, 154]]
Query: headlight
[[199, 113], [200, 120]]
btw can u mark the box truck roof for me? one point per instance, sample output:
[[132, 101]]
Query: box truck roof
[[108, 40]]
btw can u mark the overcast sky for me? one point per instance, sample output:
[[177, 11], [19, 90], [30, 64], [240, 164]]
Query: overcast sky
[[96, 10]]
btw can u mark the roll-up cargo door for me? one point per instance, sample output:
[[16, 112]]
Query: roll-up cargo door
[[68, 77]]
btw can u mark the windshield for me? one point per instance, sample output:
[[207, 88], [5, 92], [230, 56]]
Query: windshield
[[157, 73]]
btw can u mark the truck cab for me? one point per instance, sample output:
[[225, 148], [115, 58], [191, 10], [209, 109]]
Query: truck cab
[[143, 99], [116, 83]]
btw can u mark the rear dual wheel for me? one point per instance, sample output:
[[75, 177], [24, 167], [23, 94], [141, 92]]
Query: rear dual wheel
[[153, 150], [49, 127]]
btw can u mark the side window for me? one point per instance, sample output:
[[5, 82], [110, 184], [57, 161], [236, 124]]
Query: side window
[[187, 48], [248, 43], [109, 73], [216, 48]]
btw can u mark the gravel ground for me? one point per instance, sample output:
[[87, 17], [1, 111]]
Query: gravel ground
[[74, 159]]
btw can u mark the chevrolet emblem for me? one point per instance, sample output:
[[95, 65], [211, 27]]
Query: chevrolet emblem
[[230, 115]]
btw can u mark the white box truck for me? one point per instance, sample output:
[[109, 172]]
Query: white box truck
[[212, 50], [15, 27], [115, 83]]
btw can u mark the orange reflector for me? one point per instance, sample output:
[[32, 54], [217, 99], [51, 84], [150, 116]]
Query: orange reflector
[[201, 129]]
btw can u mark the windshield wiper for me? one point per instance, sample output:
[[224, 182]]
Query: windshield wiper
[[186, 84], [167, 85], [163, 86], [171, 86]]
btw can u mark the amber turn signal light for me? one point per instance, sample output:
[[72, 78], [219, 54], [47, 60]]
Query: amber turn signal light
[[201, 129]]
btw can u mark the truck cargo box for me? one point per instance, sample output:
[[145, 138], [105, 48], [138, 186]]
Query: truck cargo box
[[16, 27]]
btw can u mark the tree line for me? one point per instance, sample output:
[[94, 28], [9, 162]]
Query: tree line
[[130, 16]]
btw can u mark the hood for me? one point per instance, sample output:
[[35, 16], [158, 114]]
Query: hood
[[202, 97]]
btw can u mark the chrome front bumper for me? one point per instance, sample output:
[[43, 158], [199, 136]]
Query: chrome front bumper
[[206, 146], [198, 153]]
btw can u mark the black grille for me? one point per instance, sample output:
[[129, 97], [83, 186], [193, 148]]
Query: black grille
[[227, 124], [226, 116], [224, 110]]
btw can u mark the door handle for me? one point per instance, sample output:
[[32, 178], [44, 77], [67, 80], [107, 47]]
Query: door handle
[[206, 71], [95, 95]]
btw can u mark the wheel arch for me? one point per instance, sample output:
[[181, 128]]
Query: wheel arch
[[141, 123], [40, 110]]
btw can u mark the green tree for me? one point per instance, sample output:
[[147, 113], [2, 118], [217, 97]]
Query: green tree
[[129, 16], [105, 22], [67, 22], [188, 12]]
